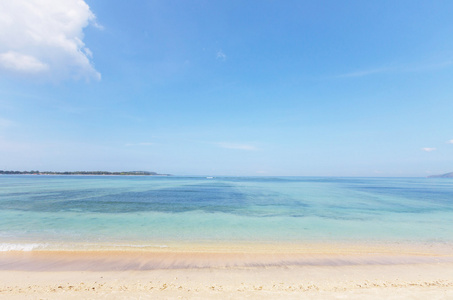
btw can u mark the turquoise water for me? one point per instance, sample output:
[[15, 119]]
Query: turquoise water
[[141, 211]]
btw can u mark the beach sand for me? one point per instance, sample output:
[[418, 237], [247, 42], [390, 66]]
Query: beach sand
[[208, 273]]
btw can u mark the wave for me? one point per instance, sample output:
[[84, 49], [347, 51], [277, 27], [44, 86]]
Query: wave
[[20, 247], [4, 247]]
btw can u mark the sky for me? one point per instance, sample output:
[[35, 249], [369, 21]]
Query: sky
[[246, 88]]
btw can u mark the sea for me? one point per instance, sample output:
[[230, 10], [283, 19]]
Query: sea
[[122, 212]]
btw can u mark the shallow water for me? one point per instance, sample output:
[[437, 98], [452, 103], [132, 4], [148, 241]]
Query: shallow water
[[68, 212]]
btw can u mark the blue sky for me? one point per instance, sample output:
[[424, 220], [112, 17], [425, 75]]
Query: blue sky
[[310, 88]]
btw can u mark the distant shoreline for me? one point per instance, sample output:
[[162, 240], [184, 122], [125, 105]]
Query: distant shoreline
[[82, 173], [447, 175]]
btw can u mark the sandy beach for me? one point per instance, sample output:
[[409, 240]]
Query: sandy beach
[[424, 281], [293, 273]]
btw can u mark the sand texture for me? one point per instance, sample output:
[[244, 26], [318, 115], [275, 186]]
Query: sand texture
[[221, 276]]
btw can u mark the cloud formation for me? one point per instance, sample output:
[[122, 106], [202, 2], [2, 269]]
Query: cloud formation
[[45, 38], [398, 69], [450, 142], [236, 146], [221, 55], [139, 144], [363, 73], [428, 149]]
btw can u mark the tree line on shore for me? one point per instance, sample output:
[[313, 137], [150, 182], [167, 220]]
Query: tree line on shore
[[36, 172]]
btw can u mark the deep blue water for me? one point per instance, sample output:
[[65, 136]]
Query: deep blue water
[[43, 211]]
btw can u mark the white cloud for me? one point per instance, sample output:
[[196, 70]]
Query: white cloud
[[221, 55], [236, 146], [450, 142], [429, 66], [139, 144], [424, 67], [363, 73], [45, 38], [22, 63], [428, 149]]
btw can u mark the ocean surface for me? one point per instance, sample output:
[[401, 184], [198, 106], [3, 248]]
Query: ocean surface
[[88, 212]]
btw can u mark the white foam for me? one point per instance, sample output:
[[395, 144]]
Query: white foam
[[19, 247]]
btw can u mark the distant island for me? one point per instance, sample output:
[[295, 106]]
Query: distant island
[[446, 175], [36, 172]]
